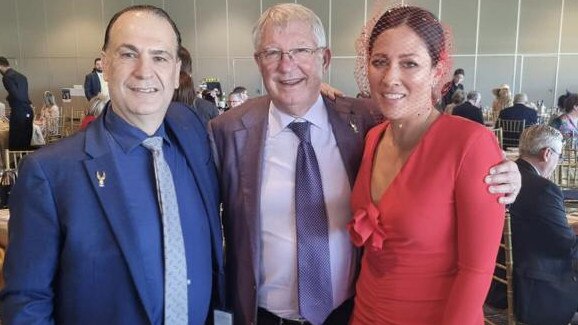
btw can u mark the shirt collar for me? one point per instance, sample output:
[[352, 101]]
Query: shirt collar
[[127, 136], [316, 115]]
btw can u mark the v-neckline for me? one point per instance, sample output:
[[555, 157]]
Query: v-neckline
[[403, 167]]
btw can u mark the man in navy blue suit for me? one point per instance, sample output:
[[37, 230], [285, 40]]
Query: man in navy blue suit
[[545, 247], [86, 239], [520, 111], [94, 82], [21, 113], [471, 108]]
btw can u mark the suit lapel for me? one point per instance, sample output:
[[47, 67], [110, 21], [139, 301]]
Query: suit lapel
[[250, 144], [112, 200], [346, 126], [199, 163]]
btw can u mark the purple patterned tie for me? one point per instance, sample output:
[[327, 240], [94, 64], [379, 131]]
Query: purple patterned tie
[[315, 290]]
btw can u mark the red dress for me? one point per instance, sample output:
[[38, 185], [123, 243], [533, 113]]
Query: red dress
[[432, 239]]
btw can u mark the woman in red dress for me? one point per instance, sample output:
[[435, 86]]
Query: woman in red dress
[[421, 209]]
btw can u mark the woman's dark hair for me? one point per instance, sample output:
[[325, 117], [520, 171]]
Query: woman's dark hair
[[562, 98], [186, 60], [186, 92], [421, 21], [570, 102], [459, 71]]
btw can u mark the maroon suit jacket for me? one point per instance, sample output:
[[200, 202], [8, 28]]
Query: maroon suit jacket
[[238, 139]]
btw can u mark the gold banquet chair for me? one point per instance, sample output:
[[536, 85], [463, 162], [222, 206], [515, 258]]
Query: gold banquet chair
[[12, 158], [512, 129], [58, 132], [566, 173], [499, 136], [506, 278]]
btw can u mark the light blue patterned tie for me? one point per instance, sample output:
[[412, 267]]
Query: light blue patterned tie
[[176, 302], [313, 260]]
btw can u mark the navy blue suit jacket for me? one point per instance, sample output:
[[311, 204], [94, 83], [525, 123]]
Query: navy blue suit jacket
[[16, 85], [469, 111], [545, 276], [91, 85], [520, 112], [73, 255]]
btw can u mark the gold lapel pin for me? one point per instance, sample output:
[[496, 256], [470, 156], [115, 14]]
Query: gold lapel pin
[[100, 176]]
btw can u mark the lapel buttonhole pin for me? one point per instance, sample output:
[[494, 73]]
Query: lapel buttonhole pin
[[100, 176]]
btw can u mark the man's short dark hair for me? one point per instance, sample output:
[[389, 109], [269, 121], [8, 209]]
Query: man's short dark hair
[[144, 8], [96, 60], [4, 62], [459, 71]]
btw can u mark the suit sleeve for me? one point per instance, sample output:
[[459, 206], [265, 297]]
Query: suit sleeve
[[479, 116], [88, 86], [32, 256], [556, 236], [479, 223]]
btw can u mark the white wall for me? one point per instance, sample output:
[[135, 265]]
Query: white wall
[[530, 44]]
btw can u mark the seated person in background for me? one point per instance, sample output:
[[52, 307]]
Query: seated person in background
[[242, 91], [471, 108], [568, 122], [47, 120], [544, 245], [95, 107], [503, 99], [458, 98], [520, 111], [234, 100]]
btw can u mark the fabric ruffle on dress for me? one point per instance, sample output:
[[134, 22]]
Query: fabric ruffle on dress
[[366, 225]]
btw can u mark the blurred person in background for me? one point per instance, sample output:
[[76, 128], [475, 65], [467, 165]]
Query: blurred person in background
[[568, 124], [458, 98], [94, 82], [47, 120], [451, 87], [21, 112], [471, 108], [503, 99], [95, 107], [520, 111], [186, 92]]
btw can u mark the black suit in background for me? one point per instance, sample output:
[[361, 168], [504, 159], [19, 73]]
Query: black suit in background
[[469, 111], [91, 85], [545, 278], [21, 113]]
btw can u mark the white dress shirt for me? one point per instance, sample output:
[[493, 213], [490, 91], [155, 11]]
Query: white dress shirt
[[278, 281]]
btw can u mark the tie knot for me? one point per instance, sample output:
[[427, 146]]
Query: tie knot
[[154, 144], [301, 130]]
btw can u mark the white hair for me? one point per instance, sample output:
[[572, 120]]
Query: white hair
[[280, 15], [538, 137]]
